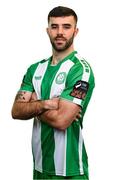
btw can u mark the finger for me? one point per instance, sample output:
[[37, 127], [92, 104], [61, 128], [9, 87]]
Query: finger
[[79, 115]]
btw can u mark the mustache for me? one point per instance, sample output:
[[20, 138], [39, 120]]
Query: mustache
[[60, 36]]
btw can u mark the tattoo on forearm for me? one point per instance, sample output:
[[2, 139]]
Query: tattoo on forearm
[[20, 95]]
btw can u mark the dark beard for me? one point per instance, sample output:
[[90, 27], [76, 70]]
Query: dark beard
[[67, 45]]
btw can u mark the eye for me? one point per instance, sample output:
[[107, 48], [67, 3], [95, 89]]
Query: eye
[[53, 26], [66, 26]]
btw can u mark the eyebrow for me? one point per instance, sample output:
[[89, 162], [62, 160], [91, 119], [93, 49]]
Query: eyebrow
[[66, 24]]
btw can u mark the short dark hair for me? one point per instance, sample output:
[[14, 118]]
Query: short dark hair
[[61, 11]]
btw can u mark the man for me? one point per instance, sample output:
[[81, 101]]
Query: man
[[54, 91]]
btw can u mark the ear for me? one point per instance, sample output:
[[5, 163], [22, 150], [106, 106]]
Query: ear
[[76, 31], [47, 30]]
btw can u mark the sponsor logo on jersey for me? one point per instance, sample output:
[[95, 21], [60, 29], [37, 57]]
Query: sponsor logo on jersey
[[38, 77], [80, 89], [61, 77]]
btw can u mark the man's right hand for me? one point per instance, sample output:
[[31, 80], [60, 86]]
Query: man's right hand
[[27, 105], [50, 103], [46, 104]]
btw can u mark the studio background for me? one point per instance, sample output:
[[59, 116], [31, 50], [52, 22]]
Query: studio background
[[23, 41]]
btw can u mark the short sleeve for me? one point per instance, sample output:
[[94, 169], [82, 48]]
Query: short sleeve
[[27, 84], [79, 84]]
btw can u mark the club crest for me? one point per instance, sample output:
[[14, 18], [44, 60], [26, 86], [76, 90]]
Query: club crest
[[61, 77]]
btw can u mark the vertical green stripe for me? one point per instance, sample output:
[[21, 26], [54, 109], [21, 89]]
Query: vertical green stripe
[[47, 132], [48, 146], [72, 154]]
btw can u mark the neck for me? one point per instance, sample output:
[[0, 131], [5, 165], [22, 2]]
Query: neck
[[58, 56]]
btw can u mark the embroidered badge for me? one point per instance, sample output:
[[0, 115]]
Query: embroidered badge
[[60, 79]]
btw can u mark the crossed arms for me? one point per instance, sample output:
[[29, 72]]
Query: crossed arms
[[58, 113]]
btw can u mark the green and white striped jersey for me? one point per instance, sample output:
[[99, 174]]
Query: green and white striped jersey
[[55, 151]]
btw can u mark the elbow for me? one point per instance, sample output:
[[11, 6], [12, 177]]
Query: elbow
[[18, 116], [14, 111], [62, 128], [14, 114], [62, 124]]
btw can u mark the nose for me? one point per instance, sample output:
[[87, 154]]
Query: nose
[[60, 30]]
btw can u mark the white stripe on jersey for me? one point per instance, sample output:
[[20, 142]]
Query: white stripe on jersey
[[86, 74], [85, 77], [40, 72], [80, 151], [36, 142], [77, 101], [36, 137], [60, 151], [56, 89], [60, 137]]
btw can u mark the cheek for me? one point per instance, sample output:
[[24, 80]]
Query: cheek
[[69, 36], [51, 34], [69, 33]]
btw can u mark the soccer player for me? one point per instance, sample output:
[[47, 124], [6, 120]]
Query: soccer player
[[56, 92]]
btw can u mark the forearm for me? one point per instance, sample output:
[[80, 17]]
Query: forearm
[[62, 117], [27, 110], [57, 119], [50, 117]]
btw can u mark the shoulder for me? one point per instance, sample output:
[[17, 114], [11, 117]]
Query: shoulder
[[38, 62], [81, 67], [81, 63], [34, 66]]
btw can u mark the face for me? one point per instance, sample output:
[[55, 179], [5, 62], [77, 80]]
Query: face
[[61, 31]]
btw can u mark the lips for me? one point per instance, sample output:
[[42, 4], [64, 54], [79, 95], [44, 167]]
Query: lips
[[60, 39]]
